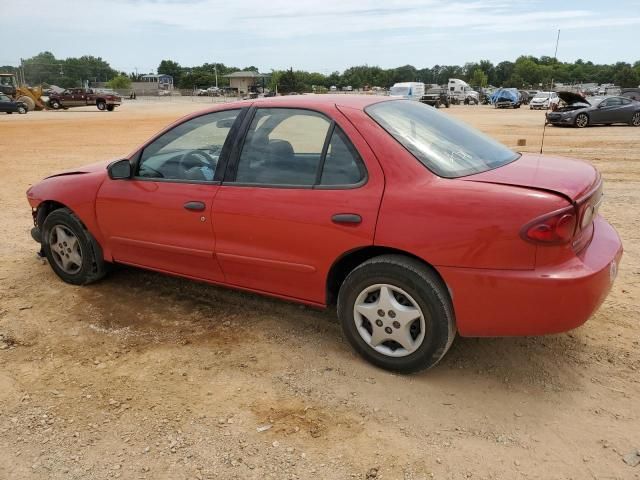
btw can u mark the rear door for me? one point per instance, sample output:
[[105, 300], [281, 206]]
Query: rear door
[[303, 189], [161, 217]]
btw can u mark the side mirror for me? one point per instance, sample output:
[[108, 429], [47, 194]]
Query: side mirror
[[119, 170]]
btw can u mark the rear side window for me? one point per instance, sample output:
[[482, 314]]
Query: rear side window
[[445, 146], [296, 147], [342, 165]]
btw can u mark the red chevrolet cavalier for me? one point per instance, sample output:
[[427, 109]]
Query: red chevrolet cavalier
[[414, 224]]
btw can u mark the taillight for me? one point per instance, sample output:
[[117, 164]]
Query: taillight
[[553, 229]]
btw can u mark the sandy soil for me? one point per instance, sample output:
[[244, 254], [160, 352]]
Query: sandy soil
[[147, 376]]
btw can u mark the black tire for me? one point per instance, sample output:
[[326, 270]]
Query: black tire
[[635, 120], [582, 120], [55, 104], [22, 110], [9, 113], [93, 266], [101, 105], [430, 295], [111, 108]]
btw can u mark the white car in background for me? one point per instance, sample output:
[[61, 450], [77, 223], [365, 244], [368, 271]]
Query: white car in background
[[542, 100]]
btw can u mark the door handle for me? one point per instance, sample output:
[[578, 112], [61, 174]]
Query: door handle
[[195, 206], [350, 218]]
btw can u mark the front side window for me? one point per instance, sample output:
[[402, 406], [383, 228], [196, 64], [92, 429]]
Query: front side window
[[447, 147], [286, 146], [189, 151]]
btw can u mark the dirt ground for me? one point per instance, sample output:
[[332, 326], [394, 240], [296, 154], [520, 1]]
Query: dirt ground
[[151, 377]]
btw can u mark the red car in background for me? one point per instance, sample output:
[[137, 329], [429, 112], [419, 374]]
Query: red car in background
[[414, 224]]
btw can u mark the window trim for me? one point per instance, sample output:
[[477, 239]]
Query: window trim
[[229, 143], [234, 157]]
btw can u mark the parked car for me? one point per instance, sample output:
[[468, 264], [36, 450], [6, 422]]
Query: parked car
[[82, 97], [8, 105], [542, 100], [323, 200], [506, 98], [580, 112]]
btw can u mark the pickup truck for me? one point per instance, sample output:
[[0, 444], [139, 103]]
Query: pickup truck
[[82, 97]]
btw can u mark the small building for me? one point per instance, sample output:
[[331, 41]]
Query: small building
[[245, 82], [162, 81]]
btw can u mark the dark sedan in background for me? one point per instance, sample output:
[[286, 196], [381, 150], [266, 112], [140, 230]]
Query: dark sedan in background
[[9, 106], [581, 112]]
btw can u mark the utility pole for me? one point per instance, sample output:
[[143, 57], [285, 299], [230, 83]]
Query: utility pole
[[215, 69]]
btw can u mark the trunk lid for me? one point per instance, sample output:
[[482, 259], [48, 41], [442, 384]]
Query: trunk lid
[[565, 176]]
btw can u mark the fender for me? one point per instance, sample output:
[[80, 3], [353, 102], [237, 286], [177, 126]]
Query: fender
[[76, 191]]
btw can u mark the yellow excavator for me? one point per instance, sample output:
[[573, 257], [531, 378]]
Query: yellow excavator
[[30, 96]]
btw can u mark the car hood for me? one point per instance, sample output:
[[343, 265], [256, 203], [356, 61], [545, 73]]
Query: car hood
[[92, 167], [571, 97], [568, 177]]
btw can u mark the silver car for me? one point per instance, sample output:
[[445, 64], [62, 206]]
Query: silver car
[[581, 112], [541, 100]]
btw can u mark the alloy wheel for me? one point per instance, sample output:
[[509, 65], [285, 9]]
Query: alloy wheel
[[582, 120], [635, 120], [65, 249], [389, 320]]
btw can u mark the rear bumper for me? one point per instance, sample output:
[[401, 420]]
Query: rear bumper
[[540, 301]]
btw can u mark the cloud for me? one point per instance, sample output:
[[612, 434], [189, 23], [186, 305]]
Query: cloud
[[333, 34]]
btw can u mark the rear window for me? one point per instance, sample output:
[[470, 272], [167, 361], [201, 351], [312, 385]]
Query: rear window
[[445, 146]]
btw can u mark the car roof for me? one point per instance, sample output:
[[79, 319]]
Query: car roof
[[359, 102]]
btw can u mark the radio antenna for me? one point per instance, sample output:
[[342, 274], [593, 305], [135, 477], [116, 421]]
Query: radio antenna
[[544, 128]]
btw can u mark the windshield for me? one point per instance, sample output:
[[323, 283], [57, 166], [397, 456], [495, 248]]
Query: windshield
[[399, 91], [447, 147], [542, 95]]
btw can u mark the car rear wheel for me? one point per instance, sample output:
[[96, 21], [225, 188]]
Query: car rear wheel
[[635, 120], [396, 313], [73, 253], [22, 110], [55, 104], [101, 106], [582, 120]]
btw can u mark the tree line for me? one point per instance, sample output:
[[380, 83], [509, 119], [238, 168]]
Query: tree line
[[524, 72]]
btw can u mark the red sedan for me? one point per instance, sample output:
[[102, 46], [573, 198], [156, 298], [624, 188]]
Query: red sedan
[[414, 224]]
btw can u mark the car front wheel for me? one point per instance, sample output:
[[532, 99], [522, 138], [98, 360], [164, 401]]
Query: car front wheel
[[55, 104], [396, 313], [582, 120], [635, 120], [101, 106], [72, 252], [22, 110]]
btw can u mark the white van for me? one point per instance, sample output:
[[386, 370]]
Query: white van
[[461, 91], [410, 90]]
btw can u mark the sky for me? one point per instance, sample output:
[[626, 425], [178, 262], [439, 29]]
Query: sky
[[322, 36]]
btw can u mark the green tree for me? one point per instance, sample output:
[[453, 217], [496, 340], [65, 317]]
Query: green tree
[[626, 77], [479, 78], [289, 82], [121, 82]]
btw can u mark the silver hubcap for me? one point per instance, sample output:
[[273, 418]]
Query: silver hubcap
[[65, 249], [389, 320], [582, 121], [636, 120]]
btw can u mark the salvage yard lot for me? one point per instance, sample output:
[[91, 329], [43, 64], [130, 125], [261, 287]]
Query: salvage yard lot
[[147, 376]]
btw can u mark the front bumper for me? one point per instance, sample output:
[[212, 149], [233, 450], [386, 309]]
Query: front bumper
[[540, 301], [559, 119]]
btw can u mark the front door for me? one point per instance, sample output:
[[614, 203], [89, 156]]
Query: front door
[[304, 190], [6, 105], [161, 218], [607, 111]]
